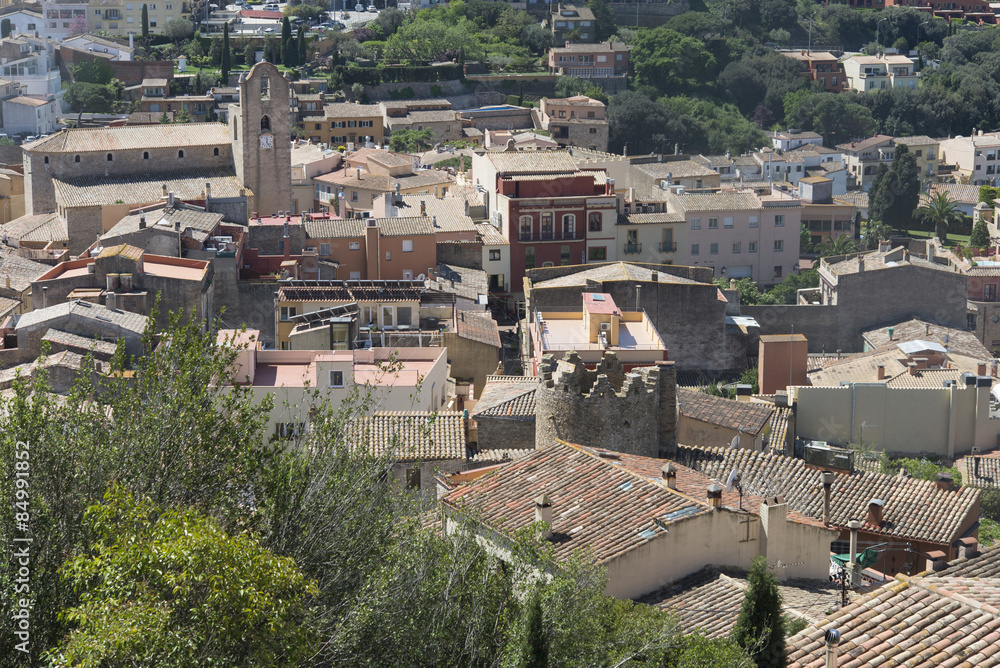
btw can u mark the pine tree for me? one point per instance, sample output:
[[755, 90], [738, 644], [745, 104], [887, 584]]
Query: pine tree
[[980, 234], [534, 644], [760, 629], [302, 51], [288, 50], [226, 63], [145, 24]]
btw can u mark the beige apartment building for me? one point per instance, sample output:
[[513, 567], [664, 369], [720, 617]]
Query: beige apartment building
[[124, 17]]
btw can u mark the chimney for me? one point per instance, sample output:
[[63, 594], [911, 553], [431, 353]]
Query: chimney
[[654, 277], [891, 332], [669, 473], [423, 208], [827, 477], [981, 369], [208, 191], [912, 368], [880, 372], [111, 301], [875, 512], [359, 173], [861, 264], [164, 190], [927, 328], [45, 296], [142, 222], [936, 561], [543, 513], [286, 243], [715, 495], [832, 640], [853, 525], [943, 481], [170, 198], [967, 547]]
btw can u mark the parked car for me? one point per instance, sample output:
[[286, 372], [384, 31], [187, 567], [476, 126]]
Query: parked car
[[359, 7], [269, 30], [372, 9], [30, 138]]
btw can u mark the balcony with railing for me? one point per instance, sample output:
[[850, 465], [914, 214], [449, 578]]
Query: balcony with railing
[[668, 246], [632, 249]]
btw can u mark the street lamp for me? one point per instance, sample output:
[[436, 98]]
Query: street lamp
[[877, 26], [810, 47]]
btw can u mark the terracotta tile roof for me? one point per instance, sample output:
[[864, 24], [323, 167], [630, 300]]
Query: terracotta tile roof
[[876, 260], [709, 601], [984, 565], [351, 110], [596, 506], [721, 201], [914, 509], [384, 157], [856, 146], [678, 169], [649, 218], [980, 471], [86, 311], [405, 227], [410, 435], [142, 188], [40, 227], [199, 222], [779, 426], [863, 368], [856, 197], [350, 228], [959, 340], [82, 344], [133, 137], [123, 250], [500, 456], [29, 101], [461, 281], [613, 271], [446, 213], [532, 162], [960, 193], [478, 327], [507, 398], [21, 271], [919, 622], [490, 235], [748, 417], [383, 183], [8, 305]]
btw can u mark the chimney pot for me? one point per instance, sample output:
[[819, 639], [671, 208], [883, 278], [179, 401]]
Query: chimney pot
[[715, 495], [827, 477], [880, 370], [943, 481], [832, 641], [981, 369], [669, 473], [875, 512], [936, 560], [543, 513]]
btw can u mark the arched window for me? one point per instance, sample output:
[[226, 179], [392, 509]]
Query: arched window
[[46, 160], [265, 124], [110, 158], [76, 159], [145, 155], [215, 152], [595, 222], [180, 154]]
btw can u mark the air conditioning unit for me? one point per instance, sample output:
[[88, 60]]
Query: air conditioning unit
[[605, 326]]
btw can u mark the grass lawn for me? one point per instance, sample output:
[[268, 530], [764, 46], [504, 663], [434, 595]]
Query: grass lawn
[[952, 237]]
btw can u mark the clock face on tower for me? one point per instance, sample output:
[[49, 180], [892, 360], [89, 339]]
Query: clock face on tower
[[267, 141]]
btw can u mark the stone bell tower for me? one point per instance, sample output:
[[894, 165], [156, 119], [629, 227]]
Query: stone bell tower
[[260, 129]]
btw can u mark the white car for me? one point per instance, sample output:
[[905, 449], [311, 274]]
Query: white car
[[372, 9], [359, 7]]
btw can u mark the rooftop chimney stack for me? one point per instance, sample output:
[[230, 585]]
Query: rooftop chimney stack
[[142, 222], [715, 495], [827, 477], [832, 641], [170, 198], [852, 567], [943, 481], [880, 370], [981, 369], [45, 296], [875, 512], [669, 473], [423, 208], [543, 513]]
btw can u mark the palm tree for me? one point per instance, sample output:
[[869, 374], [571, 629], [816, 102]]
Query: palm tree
[[942, 211], [842, 245], [876, 231]]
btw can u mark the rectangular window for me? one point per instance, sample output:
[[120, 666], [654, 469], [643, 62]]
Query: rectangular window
[[288, 312], [754, 221], [751, 246], [494, 256], [355, 276], [696, 223], [713, 249], [354, 245], [336, 379], [727, 221], [736, 247], [779, 245], [564, 256], [779, 220], [548, 227], [777, 271], [713, 223], [354, 195], [407, 245], [529, 257], [352, 124], [404, 316], [595, 223], [598, 254], [695, 250], [324, 249], [387, 313]]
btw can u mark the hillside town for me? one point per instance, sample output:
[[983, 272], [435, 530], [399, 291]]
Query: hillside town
[[500, 333]]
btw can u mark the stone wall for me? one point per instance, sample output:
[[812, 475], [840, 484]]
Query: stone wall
[[254, 307], [460, 253], [499, 433], [471, 360], [632, 412], [270, 239], [819, 324]]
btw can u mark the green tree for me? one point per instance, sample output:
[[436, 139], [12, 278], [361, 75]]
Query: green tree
[[96, 71], [289, 52], [226, 59], [272, 50], [760, 627], [840, 245], [172, 588], [980, 237], [604, 20], [837, 116], [670, 61], [411, 141], [534, 644], [302, 54], [987, 194], [249, 54], [895, 190], [5, 26], [697, 651], [91, 98], [805, 240], [145, 24], [941, 211], [178, 30], [876, 231]]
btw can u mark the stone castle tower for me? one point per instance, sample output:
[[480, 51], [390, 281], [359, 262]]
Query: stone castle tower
[[634, 412], [260, 129]]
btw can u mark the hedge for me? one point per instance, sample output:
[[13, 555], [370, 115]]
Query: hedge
[[373, 76]]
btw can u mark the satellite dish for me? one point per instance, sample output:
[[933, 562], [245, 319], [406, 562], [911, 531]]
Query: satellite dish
[[420, 277], [735, 442], [733, 480]]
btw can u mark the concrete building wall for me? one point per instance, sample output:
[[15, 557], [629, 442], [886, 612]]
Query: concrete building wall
[[706, 435], [471, 360]]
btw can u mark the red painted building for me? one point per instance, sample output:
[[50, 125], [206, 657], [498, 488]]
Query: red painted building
[[550, 211]]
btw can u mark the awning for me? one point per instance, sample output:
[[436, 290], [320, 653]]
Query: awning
[[864, 559]]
